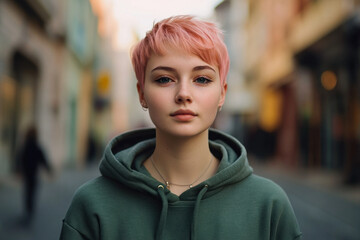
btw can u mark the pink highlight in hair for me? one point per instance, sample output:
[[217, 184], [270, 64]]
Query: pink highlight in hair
[[201, 38]]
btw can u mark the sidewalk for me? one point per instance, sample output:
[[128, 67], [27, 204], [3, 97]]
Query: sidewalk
[[325, 180], [326, 209], [53, 199]]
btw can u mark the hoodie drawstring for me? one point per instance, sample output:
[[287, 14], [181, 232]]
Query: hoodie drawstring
[[162, 221], [164, 211], [196, 211]]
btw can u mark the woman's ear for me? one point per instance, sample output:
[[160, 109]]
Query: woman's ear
[[141, 96], [222, 95]]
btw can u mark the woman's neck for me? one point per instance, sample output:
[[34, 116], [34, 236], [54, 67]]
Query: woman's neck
[[181, 161]]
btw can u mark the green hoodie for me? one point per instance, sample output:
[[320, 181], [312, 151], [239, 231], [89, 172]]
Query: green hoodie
[[127, 203]]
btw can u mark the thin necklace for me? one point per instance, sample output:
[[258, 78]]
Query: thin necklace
[[168, 184]]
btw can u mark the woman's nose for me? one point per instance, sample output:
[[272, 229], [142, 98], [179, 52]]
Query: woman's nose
[[183, 94]]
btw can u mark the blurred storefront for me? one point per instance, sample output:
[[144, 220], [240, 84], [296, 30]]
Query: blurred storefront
[[80, 76], [32, 43], [330, 56], [115, 95], [301, 59], [242, 95], [47, 57]]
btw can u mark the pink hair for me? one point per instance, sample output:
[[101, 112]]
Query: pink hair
[[198, 37]]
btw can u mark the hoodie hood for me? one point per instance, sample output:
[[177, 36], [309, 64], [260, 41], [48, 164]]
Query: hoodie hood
[[124, 155]]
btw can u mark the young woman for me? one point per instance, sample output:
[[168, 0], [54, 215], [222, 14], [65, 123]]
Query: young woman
[[180, 180]]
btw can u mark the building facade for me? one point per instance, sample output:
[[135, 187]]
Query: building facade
[[46, 74], [241, 100], [302, 58]]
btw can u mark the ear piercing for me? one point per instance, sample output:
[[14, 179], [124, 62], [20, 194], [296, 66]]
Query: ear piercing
[[144, 106]]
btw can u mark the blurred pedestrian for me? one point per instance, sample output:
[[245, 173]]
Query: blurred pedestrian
[[181, 180], [32, 157], [91, 154]]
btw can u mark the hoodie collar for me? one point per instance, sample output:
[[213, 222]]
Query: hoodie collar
[[125, 154]]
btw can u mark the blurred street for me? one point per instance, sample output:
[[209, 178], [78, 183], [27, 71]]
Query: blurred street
[[324, 208], [325, 211], [293, 95], [54, 196]]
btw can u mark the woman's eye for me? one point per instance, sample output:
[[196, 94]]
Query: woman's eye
[[202, 80], [163, 80]]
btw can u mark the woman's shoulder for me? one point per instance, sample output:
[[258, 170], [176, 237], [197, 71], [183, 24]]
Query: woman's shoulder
[[95, 187], [265, 188], [275, 201]]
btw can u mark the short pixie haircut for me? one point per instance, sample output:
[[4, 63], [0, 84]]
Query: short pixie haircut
[[201, 38]]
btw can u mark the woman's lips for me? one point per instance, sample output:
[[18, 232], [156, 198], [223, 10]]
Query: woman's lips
[[183, 115]]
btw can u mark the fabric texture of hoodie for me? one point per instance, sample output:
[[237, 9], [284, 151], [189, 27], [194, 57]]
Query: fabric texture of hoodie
[[126, 202]]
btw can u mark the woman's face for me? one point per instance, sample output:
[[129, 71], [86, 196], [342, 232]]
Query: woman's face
[[182, 92]]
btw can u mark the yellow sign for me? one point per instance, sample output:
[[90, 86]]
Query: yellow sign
[[103, 83], [271, 105]]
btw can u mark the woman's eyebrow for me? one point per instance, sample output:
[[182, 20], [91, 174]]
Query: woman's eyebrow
[[198, 68], [169, 69]]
